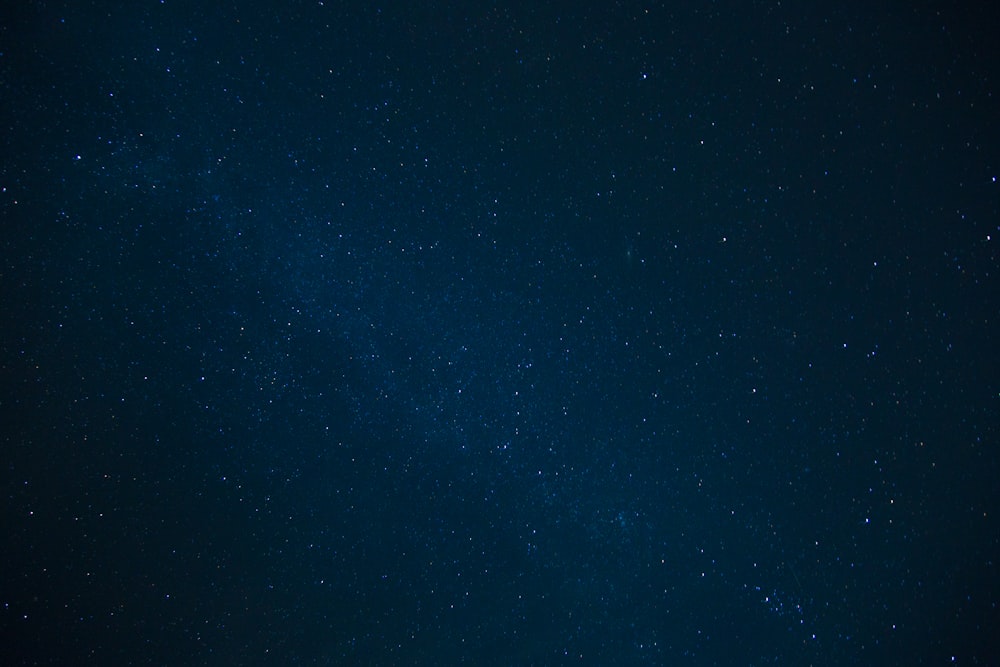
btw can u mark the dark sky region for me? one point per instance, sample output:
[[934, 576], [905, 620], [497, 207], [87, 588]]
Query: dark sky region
[[440, 333]]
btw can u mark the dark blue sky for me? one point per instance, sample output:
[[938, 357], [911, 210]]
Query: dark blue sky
[[351, 333]]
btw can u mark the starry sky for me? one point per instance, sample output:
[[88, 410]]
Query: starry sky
[[394, 333]]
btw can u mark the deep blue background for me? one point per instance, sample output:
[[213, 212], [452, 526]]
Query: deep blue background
[[600, 333]]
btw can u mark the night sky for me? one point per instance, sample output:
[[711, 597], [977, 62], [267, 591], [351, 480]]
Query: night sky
[[435, 333]]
